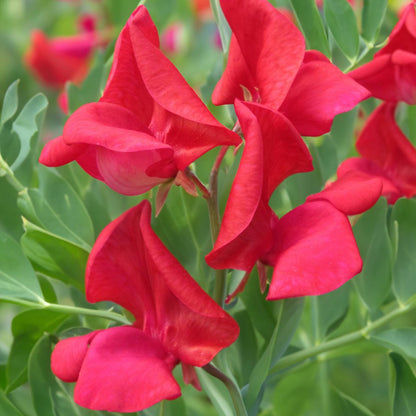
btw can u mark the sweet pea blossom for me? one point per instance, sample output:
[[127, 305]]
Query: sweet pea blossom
[[386, 155], [390, 76], [129, 368], [148, 125], [57, 60], [267, 63], [312, 248]]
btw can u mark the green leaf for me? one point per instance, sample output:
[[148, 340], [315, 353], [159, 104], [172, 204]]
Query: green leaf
[[182, 226], [90, 90], [223, 27], [55, 256], [373, 240], [57, 208], [343, 25], [242, 354], [400, 340], [289, 314], [10, 102], [49, 398], [329, 311], [7, 408], [405, 388], [27, 328], [372, 18], [404, 282], [17, 278], [217, 393], [311, 25], [27, 125]]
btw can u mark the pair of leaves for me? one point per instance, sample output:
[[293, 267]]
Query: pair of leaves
[[22, 128]]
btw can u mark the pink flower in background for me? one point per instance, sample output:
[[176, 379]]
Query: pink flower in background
[[129, 368], [386, 154], [149, 123], [173, 38], [312, 248], [267, 63], [390, 76]]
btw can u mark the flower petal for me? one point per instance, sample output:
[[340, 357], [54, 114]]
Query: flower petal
[[365, 167], [271, 46], [352, 193], [125, 85], [319, 92], [273, 151], [382, 142], [125, 370], [68, 356], [315, 252]]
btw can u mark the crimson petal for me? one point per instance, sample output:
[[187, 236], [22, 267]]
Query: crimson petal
[[271, 47], [319, 92], [125, 370], [315, 252]]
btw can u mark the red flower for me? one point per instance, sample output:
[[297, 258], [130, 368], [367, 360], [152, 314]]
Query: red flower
[[58, 60], [312, 248], [129, 368], [390, 76], [267, 63], [386, 153], [148, 124]]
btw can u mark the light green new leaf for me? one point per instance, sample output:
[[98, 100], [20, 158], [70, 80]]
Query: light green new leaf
[[17, 278], [373, 240], [310, 22], [343, 25], [405, 388], [27, 125], [54, 256], [10, 102], [400, 340], [404, 281], [372, 18]]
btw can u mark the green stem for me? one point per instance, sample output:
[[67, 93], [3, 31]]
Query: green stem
[[215, 223], [11, 178], [73, 310], [232, 388], [342, 341]]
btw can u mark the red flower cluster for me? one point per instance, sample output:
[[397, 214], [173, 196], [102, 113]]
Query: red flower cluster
[[149, 126], [312, 248]]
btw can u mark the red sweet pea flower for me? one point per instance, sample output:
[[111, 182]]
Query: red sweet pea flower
[[267, 63], [129, 368], [390, 76], [386, 155], [148, 124], [311, 248], [58, 60]]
